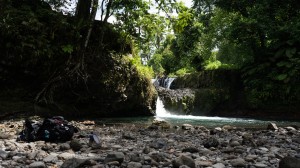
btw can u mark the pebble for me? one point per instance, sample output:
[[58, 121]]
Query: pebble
[[164, 147]]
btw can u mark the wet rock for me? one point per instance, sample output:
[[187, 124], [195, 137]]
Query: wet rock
[[187, 127], [75, 145], [37, 165], [218, 165], [128, 136], [238, 162], [260, 165], [3, 154], [183, 160], [66, 155], [190, 149], [159, 144], [289, 162], [32, 155], [211, 142], [4, 135], [114, 156], [74, 163], [272, 126], [64, 146], [50, 159], [234, 143], [203, 163], [134, 165]]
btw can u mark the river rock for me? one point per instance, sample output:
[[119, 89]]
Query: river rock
[[50, 159], [37, 165], [64, 146], [187, 126], [134, 165], [66, 155], [260, 165], [183, 160], [289, 162], [211, 142], [272, 126], [75, 145], [74, 163], [3, 154], [203, 163], [114, 156], [190, 149], [218, 165], [238, 162]]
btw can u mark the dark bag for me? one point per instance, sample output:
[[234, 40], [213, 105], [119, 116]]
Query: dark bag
[[51, 130], [29, 133], [56, 129]]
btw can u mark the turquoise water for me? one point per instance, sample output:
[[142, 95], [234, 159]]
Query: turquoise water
[[209, 122]]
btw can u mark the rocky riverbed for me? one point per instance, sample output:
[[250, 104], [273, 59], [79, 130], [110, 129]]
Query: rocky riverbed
[[158, 145]]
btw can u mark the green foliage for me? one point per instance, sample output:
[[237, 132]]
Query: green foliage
[[259, 37], [143, 70], [181, 72]]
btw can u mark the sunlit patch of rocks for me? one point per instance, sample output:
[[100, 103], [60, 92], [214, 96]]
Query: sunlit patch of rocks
[[159, 145]]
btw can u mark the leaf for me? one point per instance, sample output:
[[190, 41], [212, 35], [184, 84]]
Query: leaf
[[281, 64], [290, 52], [279, 53], [281, 77], [67, 48]]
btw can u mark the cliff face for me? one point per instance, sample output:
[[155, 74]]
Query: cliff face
[[202, 93], [220, 93]]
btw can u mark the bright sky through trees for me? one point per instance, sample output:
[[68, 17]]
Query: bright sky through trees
[[112, 19]]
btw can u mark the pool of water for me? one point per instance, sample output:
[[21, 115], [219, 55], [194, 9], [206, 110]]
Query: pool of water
[[209, 122]]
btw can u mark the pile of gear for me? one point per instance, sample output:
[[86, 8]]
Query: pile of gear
[[55, 129]]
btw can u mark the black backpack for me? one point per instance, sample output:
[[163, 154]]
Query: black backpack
[[51, 130], [56, 129]]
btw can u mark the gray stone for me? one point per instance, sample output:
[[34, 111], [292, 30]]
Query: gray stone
[[4, 135], [272, 126], [114, 156], [183, 160], [74, 163], [260, 165], [234, 143], [289, 162], [37, 165], [187, 126], [211, 142], [64, 146], [238, 162], [203, 163], [66, 155], [218, 165], [134, 165], [75, 145], [158, 144], [50, 159], [3, 154], [190, 149], [31, 155]]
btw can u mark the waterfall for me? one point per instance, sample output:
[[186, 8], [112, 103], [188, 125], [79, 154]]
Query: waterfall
[[168, 82], [160, 109], [163, 82]]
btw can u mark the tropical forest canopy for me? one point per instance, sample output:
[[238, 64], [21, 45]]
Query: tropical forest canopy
[[57, 40]]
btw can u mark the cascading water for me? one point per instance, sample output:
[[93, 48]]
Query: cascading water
[[160, 109], [162, 113]]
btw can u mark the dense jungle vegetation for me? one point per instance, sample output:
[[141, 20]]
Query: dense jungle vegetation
[[60, 49]]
